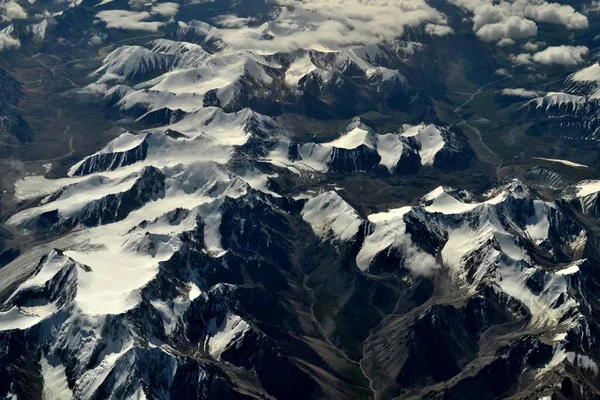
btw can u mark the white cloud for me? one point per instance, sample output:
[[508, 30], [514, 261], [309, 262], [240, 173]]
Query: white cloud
[[97, 39], [438, 30], [506, 42], [495, 20], [130, 20], [488, 14], [531, 46], [563, 55], [138, 5], [233, 21], [593, 7], [522, 58], [137, 18], [337, 24], [520, 92], [166, 9], [555, 14], [8, 42], [569, 56], [417, 261], [333, 24], [11, 10], [513, 27], [502, 72]]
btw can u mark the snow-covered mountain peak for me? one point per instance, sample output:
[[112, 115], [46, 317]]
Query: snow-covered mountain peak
[[586, 188], [514, 189], [359, 148], [175, 47], [199, 32], [430, 140], [448, 201], [585, 196], [330, 216], [558, 102], [585, 81], [52, 287], [356, 134], [133, 63]]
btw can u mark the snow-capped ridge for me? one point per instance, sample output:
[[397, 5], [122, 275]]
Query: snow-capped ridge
[[585, 81], [174, 47], [359, 148], [201, 33], [559, 103], [430, 141], [130, 63], [126, 149], [390, 234], [95, 200], [51, 287], [585, 196], [357, 134], [330, 216]]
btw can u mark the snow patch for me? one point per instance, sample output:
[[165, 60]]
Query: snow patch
[[55, 381], [586, 188], [223, 336]]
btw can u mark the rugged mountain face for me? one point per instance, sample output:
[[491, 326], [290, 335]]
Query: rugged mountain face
[[359, 148], [298, 201], [571, 112], [341, 85], [219, 280]]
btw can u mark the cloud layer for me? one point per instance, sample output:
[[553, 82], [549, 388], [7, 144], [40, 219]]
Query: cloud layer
[[334, 24], [338, 24], [129, 20], [138, 20]]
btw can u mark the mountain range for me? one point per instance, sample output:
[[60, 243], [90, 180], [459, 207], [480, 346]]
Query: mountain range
[[276, 199]]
